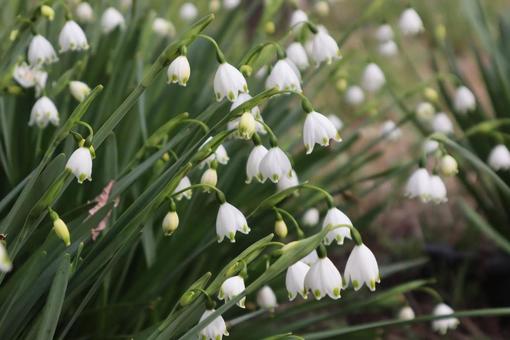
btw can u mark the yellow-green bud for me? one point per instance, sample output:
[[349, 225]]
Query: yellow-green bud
[[269, 27], [322, 8], [165, 157], [247, 125], [14, 89], [280, 228], [170, 223], [60, 228], [440, 32], [430, 94], [341, 84], [13, 35], [448, 166], [48, 12], [214, 6], [247, 70]]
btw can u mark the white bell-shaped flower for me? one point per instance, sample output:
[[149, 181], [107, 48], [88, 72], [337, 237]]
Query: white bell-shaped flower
[[232, 287], [80, 164], [231, 4], [112, 19], [442, 123], [253, 164], [183, 184], [295, 280], [323, 279], [443, 325], [324, 48], [418, 185], [311, 217], [5, 261], [336, 121], [297, 54], [464, 100], [30, 76], [361, 268], [220, 154], [354, 95], [229, 82], [188, 11], [275, 165], [334, 218], [318, 129], [499, 158], [430, 146], [266, 298], [388, 49], [384, 33], [373, 78], [406, 313], [163, 27], [390, 130], [44, 112], [287, 181], [437, 190], [410, 22], [179, 71], [298, 18], [448, 166], [214, 330], [230, 220], [84, 12], [425, 111], [40, 51], [79, 90], [72, 38], [311, 258], [283, 77]]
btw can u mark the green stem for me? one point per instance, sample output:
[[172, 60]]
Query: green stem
[[219, 54], [219, 193], [299, 231], [272, 136], [326, 194], [197, 122]]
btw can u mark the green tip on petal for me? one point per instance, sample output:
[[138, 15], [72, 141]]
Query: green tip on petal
[[317, 294], [275, 177], [231, 95], [355, 284], [232, 236], [372, 285], [336, 292]]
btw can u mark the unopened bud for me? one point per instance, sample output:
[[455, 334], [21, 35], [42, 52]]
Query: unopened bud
[[170, 223], [269, 27], [448, 166], [48, 12], [322, 8], [13, 35], [341, 84], [440, 32], [60, 228], [430, 94], [280, 228], [209, 177], [214, 6], [247, 70]]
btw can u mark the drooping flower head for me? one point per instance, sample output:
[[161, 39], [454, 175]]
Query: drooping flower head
[[324, 48], [72, 37], [230, 220], [361, 268], [373, 78], [442, 123], [80, 164], [266, 298], [275, 165], [410, 22], [84, 12], [418, 185], [179, 70], [287, 182], [112, 19], [464, 100], [323, 278], [318, 129], [79, 90], [499, 158], [40, 51], [283, 77], [214, 330], [336, 218], [232, 287], [297, 54], [183, 184], [253, 164], [443, 325], [44, 112], [295, 280], [229, 82]]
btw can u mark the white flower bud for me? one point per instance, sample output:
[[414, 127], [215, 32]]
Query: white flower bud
[[5, 261], [280, 228], [266, 298], [80, 164], [163, 27], [253, 163], [448, 166], [79, 90], [388, 48], [464, 100], [410, 22], [170, 223], [179, 71], [384, 33], [324, 48], [209, 177], [442, 123], [61, 230], [297, 54], [425, 111], [188, 12], [72, 38], [406, 313], [183, 184], [297, 18], [354, 95], [373, 78], [437, 190], [287, 182], [311, 217], [231, 4], [418, 185], [112, 19], [84, 12], [322, 8], [336, 121]]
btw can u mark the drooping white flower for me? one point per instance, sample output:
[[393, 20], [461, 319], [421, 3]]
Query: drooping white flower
[[425, 111], [112, 19], [40, 51], [406, 313], [79, 90], [442, 123], [220, 154], [230, 220], [430, 146], [418, 185], [183, 184], [443, 325], [297, 18], [179, 71], [287, 181], [390, 130], [209, 177], [80, 164], [373, 78], [334, 217], [388, 48], [410, 22], [231, 4], [318, 129], [354, 95], [84, 12], [311, 258], [5, 261], [229, 82], [253, 164], [72, 38], [275, 165], [311, 217], [266, 298], [30, 76], [163, 27], [232, 287], [384, 33], [295, 280], [499, 158], [437, 190], [44, 112], [361, 268], [336, 121], [188, 12], [170, 223], [214, 330], [323, 278], [297, 54], [283, 77], [324, 48], [448, 166], [464, 100]]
